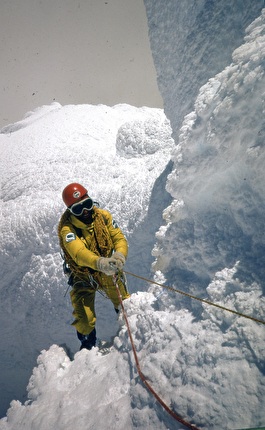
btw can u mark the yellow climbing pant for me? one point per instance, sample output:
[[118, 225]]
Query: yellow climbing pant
[[83, 300]]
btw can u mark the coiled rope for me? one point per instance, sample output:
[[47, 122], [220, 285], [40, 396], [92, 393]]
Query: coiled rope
[[197, 298], [140, 373]]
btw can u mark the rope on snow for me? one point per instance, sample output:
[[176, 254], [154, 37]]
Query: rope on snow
[[197, 298], [143, 378], [140, 373]]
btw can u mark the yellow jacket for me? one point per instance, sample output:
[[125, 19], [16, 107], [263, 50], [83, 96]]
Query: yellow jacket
[[78, 238]]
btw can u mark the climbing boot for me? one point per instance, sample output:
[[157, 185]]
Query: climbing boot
[[87, 340]]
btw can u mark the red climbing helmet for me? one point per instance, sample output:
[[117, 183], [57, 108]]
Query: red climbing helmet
[[73, 193]]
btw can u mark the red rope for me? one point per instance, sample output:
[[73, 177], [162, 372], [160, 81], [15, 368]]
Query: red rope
[[143, 378]]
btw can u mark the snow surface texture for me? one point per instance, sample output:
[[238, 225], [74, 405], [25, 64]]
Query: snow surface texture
[[217, 182], [207, 364], [191, 41], [216, 220], [40, 155]]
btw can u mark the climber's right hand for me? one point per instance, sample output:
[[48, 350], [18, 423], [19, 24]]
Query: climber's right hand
[[107, 265]]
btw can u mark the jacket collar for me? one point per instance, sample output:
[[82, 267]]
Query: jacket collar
[[79, 224]]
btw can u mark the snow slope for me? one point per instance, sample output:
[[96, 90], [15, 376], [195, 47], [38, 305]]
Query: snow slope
[[51, 147], [205, 363]]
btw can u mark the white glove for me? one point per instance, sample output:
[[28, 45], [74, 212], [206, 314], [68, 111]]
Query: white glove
[[108, 266], [120, 259]]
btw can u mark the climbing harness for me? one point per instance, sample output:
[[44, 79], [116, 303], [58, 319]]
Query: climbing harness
[[175, 290], [140, 373]]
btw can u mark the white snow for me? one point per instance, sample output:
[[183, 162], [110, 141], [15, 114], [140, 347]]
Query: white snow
[[206, 364], [191, 41]]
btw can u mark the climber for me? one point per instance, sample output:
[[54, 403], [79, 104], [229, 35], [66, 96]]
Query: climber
[[95, 251]]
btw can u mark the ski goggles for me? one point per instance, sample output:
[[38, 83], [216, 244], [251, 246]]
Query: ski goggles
[[78, 208]]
